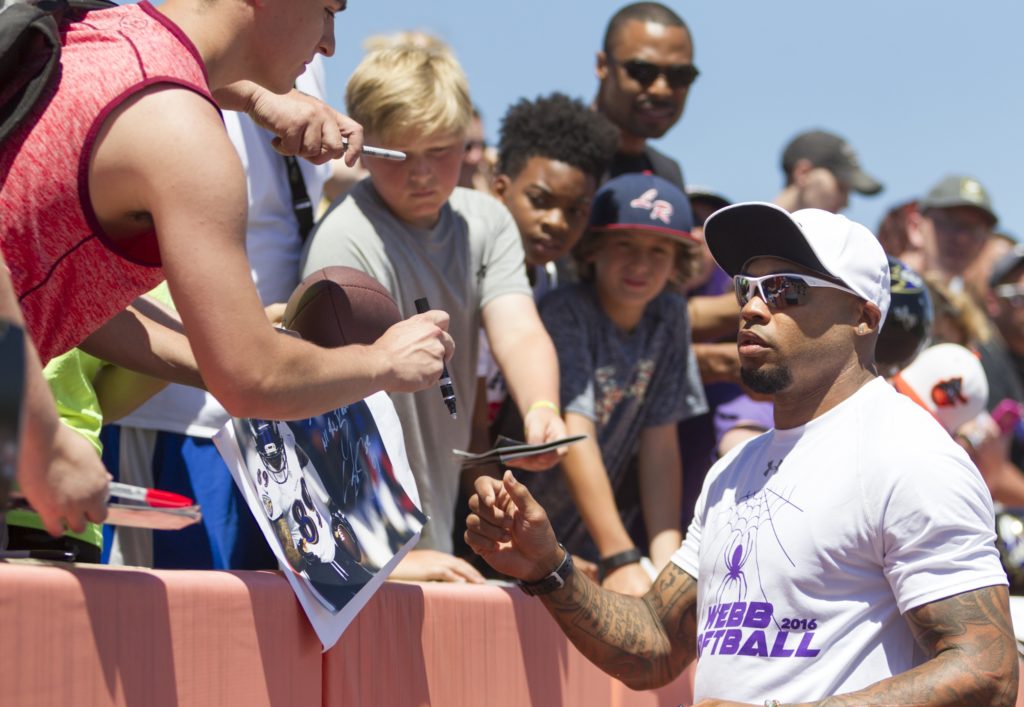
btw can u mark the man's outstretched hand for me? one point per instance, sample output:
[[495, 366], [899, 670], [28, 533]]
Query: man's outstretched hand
[[510, 530]]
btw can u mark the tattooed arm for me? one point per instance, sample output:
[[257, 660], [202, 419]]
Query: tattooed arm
[[643, 641], [972, 655]]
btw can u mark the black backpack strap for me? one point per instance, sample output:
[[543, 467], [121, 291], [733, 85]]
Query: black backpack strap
[[30, 53], [301, 204], [29, 56]]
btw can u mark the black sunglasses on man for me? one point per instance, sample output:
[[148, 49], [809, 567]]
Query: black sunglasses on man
[[645, 73]]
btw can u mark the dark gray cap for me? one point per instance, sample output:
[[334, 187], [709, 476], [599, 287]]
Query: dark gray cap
[[1007, 265], [959, 190], [828, 150]]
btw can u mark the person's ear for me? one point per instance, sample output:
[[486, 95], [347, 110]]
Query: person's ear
[[499, 186], [870, 319], [601, 69], [801, 169], [915, 237]]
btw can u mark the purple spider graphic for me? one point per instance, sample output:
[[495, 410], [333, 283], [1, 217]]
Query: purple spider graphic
[[733, 559]]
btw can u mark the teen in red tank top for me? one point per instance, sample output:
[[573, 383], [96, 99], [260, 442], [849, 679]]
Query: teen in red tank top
[[70, 277]]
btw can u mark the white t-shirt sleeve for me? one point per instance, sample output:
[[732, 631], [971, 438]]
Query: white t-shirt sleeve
[[687, 557], [938, 531], [503, 270]]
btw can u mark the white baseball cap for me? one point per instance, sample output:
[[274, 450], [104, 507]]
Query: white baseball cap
[[948, 381], [820, 240]]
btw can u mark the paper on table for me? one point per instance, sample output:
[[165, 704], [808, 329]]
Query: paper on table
[[507, 449], [136, 515], [133, 516], [354, 474]]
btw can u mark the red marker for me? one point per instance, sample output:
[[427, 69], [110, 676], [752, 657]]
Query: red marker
[[152, 497]]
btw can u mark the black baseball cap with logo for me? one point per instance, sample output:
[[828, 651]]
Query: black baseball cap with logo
[[828, 150]]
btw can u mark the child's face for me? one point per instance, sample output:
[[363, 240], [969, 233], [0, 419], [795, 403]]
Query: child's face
[[549, 201], [632, 267], [416, 189]]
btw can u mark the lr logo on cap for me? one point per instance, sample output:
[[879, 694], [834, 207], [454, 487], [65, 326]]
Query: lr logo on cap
[[660, 209]]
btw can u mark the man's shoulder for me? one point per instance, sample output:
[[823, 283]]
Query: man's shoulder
[[665, 166], [650, 159], [656, 155], [889, 415]]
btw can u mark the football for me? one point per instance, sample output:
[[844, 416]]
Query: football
[[338, 305]]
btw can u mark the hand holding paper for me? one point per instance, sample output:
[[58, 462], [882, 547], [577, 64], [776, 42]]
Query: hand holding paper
[[505, 450], [543, 423]]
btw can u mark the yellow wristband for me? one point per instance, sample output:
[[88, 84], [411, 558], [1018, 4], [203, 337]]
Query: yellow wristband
[[544, 404]]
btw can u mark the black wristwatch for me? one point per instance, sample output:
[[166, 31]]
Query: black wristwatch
[[607, 565], [555, 580]]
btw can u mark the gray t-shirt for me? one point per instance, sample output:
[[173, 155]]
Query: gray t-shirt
[[472, 256], [624, 382]]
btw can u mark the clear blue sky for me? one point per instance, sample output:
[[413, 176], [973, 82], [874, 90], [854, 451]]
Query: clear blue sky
[[921, 88]]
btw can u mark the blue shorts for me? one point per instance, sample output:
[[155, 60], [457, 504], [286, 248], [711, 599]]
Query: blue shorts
[[228, 536]]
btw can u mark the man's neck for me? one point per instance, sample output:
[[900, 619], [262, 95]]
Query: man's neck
[[794, 408], [631, 144], [212, 33]]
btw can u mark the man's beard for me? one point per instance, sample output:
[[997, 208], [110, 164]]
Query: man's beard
[[767, 380]]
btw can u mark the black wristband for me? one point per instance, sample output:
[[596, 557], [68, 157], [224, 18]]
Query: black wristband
[[556, 579], [607, 565]]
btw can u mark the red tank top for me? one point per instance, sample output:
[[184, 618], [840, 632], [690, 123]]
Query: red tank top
[[70, 277]]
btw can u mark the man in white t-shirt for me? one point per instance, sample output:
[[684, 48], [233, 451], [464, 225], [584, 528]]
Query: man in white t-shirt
[[847, 552]]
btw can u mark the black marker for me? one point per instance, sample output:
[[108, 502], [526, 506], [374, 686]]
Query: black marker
[[38, 554], [447, 390]]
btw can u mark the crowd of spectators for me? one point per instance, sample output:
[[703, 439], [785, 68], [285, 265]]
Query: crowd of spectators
[[566, 266]]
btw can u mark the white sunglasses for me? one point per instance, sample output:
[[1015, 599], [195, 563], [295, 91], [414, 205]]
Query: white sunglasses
[[780, 290]]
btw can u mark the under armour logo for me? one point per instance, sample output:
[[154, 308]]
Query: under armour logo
[[660, 209], [772, 467]]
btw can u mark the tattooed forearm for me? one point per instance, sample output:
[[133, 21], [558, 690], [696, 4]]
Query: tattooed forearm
[[972, 651], [645, 642]]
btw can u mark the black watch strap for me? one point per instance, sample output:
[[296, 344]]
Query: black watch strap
[[555, 580], [607, 565]]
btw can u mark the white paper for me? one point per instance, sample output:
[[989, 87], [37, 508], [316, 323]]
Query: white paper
[[350, 462]]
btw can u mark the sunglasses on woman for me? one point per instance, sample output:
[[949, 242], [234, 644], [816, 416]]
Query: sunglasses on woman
[[780, 290], [645, 73]]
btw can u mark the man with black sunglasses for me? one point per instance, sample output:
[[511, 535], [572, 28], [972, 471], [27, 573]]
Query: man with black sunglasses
[[645, 70], [844, 557]]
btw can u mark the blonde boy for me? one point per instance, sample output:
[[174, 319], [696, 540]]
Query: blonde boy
[[409, 226]]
